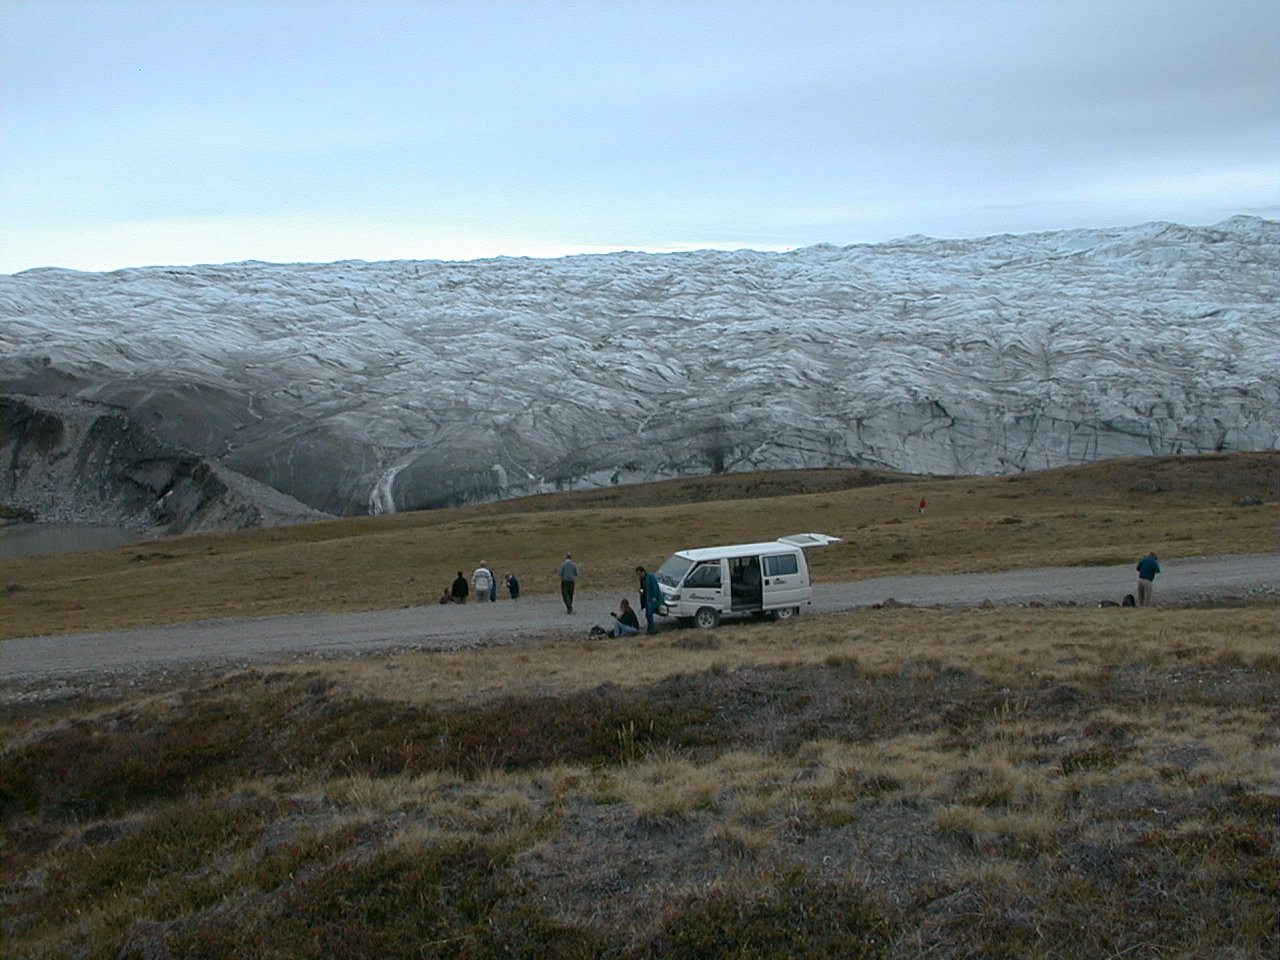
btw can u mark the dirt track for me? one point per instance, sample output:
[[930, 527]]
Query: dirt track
[[45, 666]]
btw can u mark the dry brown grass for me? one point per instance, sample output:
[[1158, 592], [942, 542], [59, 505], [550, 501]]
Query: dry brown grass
[[1104, 513], [989, 643], [1053, 772], [1066, 783], [1006, 782]]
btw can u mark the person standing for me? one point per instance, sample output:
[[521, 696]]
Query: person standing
[[459, 590], [1148, 567], [482, 582], [513, 586], [568, 581], [650, 596]]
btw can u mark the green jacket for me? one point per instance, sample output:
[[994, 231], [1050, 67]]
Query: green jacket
[[650, 592]]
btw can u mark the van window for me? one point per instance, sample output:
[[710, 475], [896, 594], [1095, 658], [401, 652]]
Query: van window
[[705, 575], [780, 566], [671, 571]]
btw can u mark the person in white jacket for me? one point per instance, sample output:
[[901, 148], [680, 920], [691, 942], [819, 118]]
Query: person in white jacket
[[482, 582]]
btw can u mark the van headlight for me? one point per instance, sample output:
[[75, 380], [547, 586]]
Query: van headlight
[[673, 597]]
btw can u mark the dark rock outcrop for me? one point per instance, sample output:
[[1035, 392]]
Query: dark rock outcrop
[[70, 461]]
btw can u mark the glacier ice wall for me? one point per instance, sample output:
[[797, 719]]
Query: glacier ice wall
[[357, 386]]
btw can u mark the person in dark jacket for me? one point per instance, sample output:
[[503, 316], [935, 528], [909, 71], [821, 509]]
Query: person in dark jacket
[[650, 596], [1148, 567], [513, 586], [459, 590], [625, 622]]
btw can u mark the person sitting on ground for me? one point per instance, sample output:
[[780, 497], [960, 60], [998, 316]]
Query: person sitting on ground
[[625, 621]]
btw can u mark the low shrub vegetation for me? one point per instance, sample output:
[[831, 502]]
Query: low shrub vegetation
[[1063, 783]]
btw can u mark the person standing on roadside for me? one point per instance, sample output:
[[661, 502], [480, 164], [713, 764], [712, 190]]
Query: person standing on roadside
[[650, 596], [568, 581], [513, 586], [1148, 567], [482, 582], [459, 590]]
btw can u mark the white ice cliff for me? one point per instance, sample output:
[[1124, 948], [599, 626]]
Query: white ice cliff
[[357, 386]]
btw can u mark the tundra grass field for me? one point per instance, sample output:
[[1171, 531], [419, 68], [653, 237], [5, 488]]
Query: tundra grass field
[[899, 782], [1107, 513]]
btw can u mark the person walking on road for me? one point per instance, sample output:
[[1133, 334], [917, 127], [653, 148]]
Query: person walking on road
[[568, 581], [650, 596], [1148, 567], [482, 582]]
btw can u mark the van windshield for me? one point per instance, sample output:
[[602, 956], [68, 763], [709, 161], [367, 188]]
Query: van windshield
[[673, 570]]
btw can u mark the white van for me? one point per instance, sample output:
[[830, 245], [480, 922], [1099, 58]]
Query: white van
[[703, 585]]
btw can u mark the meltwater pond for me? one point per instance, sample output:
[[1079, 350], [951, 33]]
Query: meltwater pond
[[27, 539]]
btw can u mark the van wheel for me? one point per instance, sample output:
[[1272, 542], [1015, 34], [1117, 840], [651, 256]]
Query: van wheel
[[785, 613], [707, 618]]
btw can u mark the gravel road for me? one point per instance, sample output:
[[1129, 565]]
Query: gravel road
[[43, 666]]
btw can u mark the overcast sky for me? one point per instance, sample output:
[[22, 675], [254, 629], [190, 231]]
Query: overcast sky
[[206, 131]]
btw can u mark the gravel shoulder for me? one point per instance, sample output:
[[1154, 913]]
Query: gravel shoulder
[[44, 667]]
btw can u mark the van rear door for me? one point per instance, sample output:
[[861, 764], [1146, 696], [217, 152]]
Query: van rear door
[[786, 576], [809, 539]]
